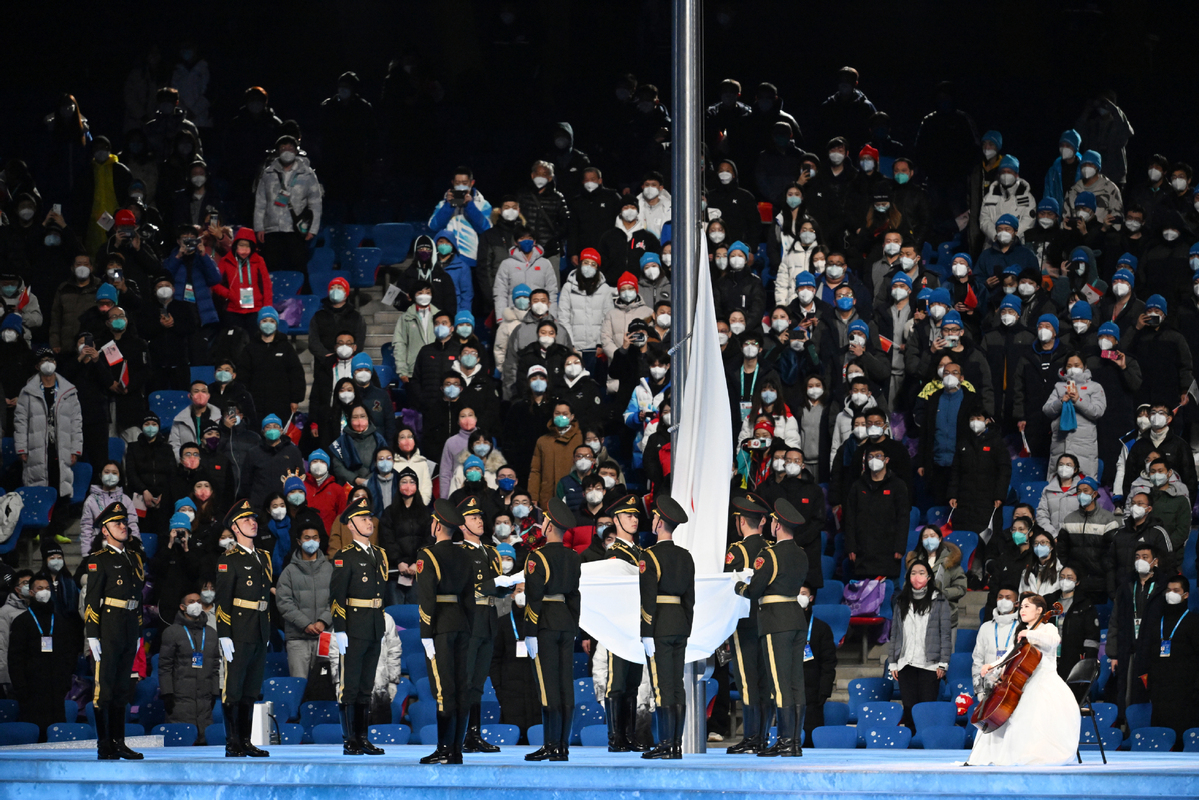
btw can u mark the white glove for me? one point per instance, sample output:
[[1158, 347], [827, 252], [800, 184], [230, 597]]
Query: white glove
[[504, 581], [343, 641], [94, 644], [531, 646], [648, 643], [430, 650], [227, 648]]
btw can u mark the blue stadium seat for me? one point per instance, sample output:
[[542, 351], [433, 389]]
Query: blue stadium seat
[[1031, 491], [39, 504], [489, 711], [12, 733], [1152, 739], [594, 736], [364, 263], [867, 690], [1105, 714], [310, 304], [318, 280], [878, 715], [943, 737], [322, 259], [1112, 738], [149, 543], [837, 618], [286, 283], [394, 239], [828, 565], [579, 669], [10, 710], [214, 734], [584, 690], [81, 479], [834, 737], [536, 735], [389, 734], [203, 373], [285, 693], [927, 715], [428, 735], [327, 733], [318, 712], [500, 735], [966, 542], [1190, 740], [420, 715], [892, 737], [70, 732], [276, 666], [831, 593], [116, 449], [937, 515], [166, 404], [836, 713], [387, 378], [1188, 557], [177, 734], [965, 641], [1138, 715], [289, 732]]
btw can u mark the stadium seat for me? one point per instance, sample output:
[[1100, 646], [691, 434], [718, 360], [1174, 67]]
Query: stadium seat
[[291, 733], [937, 515], [428, 735], [866, 690], [943, 737], [1188, 557], [285, 693], [318, 712], [489, 711], [322, 259], [1105, 714], [500, 735], [828, 566], [203, 373], [584, 690], [166, 404], [928, 715], [877, 715], [310, 304], [81, 479], [388, 734], [422, 714], [594, 736], [891, 737], [149, 544], [1190, 740], [394, 239], [387, 378], [1031, 491], [831, 593], [966, 541], [1112, 737], [1138, 715], [276, 666], [536, 735], [587, 714], [286, 283], [965, 641], [177, 734], [836, 713], [10, 710], [116, 449], [39, 505], [837, 618], [70, 732], [12, 733], [327, 733], [214, 734], [364, 263], [1152, 739], [834, 737]]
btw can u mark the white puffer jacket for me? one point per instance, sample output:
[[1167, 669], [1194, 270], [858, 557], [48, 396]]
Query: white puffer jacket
[[583, 314], [304, 191]]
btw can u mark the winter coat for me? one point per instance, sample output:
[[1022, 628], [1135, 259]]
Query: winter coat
[[533, 270], [1056, 504], [388, 672], [1085, 542], [26, 304], [508, 320], [949, 576], [200, 273], [99, 498], [33, 437], [1016, 200], [877, 514], [591, 216], [1107, 134], [1172, 447], [70, 302], [1082, 443], [1108, 202], [553, 459], [741, 290], [467, 223], [738, 210], [410, 335], [981, 475], [273, 374], [328, 498], [303, 192], [795, 257], [1166, 363], [616, 324], [524, 335], [236, 276], [621, 249], [265, 467], [183, 427], [432, 364], [149, 466], [547, 215], [39, 680], [492, 464], [970, 405], [423, 468], [937, 637], [302, 595], [583, 314], [786, 427], [655, 216], [351, 446], [458, 270], [193, 689], [404, 531]]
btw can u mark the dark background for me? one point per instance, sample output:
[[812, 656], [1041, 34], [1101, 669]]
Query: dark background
[[1025, 69]]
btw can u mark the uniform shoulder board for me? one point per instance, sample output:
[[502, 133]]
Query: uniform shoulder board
[[232, 551], [347, 548]]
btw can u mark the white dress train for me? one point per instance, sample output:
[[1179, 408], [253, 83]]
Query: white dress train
[[1044, 727]]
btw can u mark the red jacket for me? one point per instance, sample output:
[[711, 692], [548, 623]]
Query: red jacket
[[235, 277], [328, 499]]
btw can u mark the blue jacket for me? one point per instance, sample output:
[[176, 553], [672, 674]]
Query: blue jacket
[[1053, 183], [459, 270], [204, 275], [468, 225]]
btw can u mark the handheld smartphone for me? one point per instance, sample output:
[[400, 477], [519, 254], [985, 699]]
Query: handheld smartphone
[[57, 209], [89, 340], [118, 274], [1110, 355]]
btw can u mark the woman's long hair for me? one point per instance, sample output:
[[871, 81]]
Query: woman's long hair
[[1037, 600], [1033, 568], [907, 601]]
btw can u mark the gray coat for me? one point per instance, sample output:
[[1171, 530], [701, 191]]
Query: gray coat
[[193, 689], [523, 336], [302, 595], [1083, 443], [31, 429], [938, 639], [304, 190]]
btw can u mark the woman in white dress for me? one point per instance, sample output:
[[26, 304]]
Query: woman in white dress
[[1044, 727]]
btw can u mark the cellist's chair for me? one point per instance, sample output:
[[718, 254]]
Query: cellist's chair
[[1080, 679]]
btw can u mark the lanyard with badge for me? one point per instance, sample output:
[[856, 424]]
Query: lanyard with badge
[[48, 641], [522, 650], [807, 645], [746, 405], [1136, 618], [1000, 653], [1165, 649], [197, 657], [245, 277]]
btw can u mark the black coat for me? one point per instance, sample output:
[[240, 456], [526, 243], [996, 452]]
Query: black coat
[[845, 472], [547, 216], [808, 499], [432, 364], [592, 214], [740, 290], [235, 393], [820, 674], [1079, 628], [971, 405], [273, 374], [264, 469], [1036, 375], [1167, 365], [1173, 680], [149, 466], [738, 211], [981, 475], [445, 294], [620, 254], [41, 680], [877, 514], [1174, 449], [1004, 347]]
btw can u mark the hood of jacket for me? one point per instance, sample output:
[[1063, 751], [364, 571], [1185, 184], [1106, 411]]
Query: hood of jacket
[[564, 435], [565, 127], [244, 235], [735, 183], [448, 235]]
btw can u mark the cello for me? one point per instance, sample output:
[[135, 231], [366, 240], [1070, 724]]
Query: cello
[[997, 706]]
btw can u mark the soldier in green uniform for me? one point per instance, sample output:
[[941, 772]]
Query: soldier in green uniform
[[112, 620], [489, 580], [779, 573], [747, 665], [552, 594], [624, 677], [667, 610], [243, 590], [356, 594], [443, 586]]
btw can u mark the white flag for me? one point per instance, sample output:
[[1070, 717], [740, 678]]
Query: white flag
[[702, 462]]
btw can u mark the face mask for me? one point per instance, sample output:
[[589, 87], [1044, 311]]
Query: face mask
[[422, 300], [319, 469], [806, 295], [836, 158], [794, 201], [779, 464], [561, 421], [936, 311], [750, 351], [42, 596], [506, 485], [818, 266], [199, 180], [345, 397], [47, 368], [1088, 172], [224, 544], [524, 245], [537, 385], [1142, 567], [1169, 234], [8, 335], [609, 481], [193, 609], [725, 177], [287, 156], [1042, 550], [722, 263], [931, 543], [208, 595], [1133, 225], [804, 601], [590, 186], [110, 480], [737, 262], [1004, 237], [583, 464], [1065, 471], [1007, 179], [1158, 421], [55, 564], [951, 381], [337, 295], [650, 192], [844, 303], [1074, 373], [960, 270], [520, 511], [310, 546], [1172, 598], [83, 272], [506, 565], [663, 320], [278, 513], [1159, 478], [474, 475], [1045, 222], [52, 240], [1045, 334], [990, 153], [540, 182], [875, 464], [1084, 499], [297, 498], [860, 432], [867, 164], [1085, 214], [573, 370], [451, 391], [1107, 343], [589, 272], [441, 331], [540, 309], [1004, 606], [150, 430], [344, 351], [268, 327], [978, 425], [737, 328], [1178, 184], [858, 399], [657, 373], [545, 341], [857, 341]]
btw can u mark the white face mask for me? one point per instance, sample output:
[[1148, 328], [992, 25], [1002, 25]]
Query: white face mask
[[807, 237], [278, 513], [539, 308], [725, 177], [83, 273], [1107, 343], [1133, 225], [1179, 184], [907, 262], [319, 469], [651, 273], [990, 152], [1008, 319], [573, 369], [628, 214], [836, 158], [1067, 585], [423, 300], [650, 192], [1169, 234], [818, 266], [722, 338], [779, 464], [1172, 598], [1158, 421], [779, 325], [1045, 222], [540, 182], [1007, 179], [1085, 214], [835, 271], [875, 464], [666, 259], [1142, 567], [874, 431], [590, 186], [510, 214], [891, 248], [899, 293], [859, 432], [344, 351], [793, 470], [867, 164], [960, 270], [806, 296], [1074, 373], [657, 373], [1045, 334], [750, 351], [737, 262], [545, 341], [345, 397], [628, 295], [804, 601], [978, 425], [194, 609], [1065, 471], [1088, 172], [1121, 288], [815, 392], [716, 236], [737, 328], [663, 320], [936, 311], [225, 544], [1004, 606], [42, 595], [1155, 174], [951, 381]]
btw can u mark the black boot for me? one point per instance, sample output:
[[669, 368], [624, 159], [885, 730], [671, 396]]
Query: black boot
[[245, 725], [613, 708], [795, 747], [474, 741], [680, 719], [549, 737], [459, 723], [786, 732], [665, 718], [445, 728], [349, 731], [751, 742], [116, 733], [105, 750], [361, 723], [634, 744], [769, 712], [233, 748], [563, 728]]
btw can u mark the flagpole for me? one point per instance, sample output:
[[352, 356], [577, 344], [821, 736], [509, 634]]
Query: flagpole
[[686, 102]]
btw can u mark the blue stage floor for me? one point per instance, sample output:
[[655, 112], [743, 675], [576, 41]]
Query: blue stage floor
[[313, 771]]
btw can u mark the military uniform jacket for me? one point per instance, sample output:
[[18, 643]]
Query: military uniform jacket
[[741, 555], [243, 591], [624, 551], [485, 568], [667, 571], [356, 591], [552, 587], [779, 571], [116, 575], [443, 571]]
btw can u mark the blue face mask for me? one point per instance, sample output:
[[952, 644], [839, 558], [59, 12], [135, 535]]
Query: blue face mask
[[150, 430], [537, 385], [561, 421], [296, 498], [525, 245], [845, 303], [474, 475], [452, 391], [268, 327], [469, 360], [1042, 550], [223, 376], [794, 200], [931, 543], [272, 434], [465, 331], [481, 449], [902, 177], [119, 324], [507, 484], [769, 396], [1019, 537], [445, 248], [310, 546]]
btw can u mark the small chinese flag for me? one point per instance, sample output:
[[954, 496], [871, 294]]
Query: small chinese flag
[[971, 300], [886, 344]]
